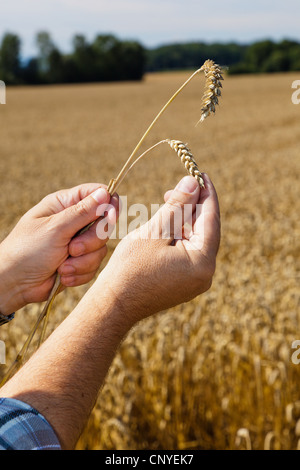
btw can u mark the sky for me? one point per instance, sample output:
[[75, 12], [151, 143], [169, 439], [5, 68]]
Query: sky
[[152, 22]]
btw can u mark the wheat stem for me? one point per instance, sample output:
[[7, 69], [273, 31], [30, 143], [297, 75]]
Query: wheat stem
[[124, 171], [184, 154], [213, 74]]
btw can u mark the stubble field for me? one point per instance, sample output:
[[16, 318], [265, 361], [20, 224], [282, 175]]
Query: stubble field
[[215, 373]]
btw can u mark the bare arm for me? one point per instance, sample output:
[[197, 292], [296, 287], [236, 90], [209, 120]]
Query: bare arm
[[145, 275], [63, 378]]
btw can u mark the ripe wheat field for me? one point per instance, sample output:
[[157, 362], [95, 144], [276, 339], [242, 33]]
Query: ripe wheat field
[[215, 373]]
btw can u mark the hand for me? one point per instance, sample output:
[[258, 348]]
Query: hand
[[42, 243], [155, 268]]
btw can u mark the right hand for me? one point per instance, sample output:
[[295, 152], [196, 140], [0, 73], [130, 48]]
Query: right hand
[[43, 243], [147, 275]]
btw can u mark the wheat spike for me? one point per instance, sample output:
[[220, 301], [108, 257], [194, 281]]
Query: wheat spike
[[187, 159], [214, 77]]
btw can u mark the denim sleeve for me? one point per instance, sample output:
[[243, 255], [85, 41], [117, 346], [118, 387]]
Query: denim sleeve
[[24, 428]]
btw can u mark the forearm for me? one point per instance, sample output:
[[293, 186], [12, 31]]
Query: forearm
[[11, 296], [63, 378]]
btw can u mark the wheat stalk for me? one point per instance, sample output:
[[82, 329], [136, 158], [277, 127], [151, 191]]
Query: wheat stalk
[[184, 154], [212, 91]]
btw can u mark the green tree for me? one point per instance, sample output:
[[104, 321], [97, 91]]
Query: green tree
[[132, 61], [294, 56], [278, 61], [45, 47], [268, 56], [56, 67], [107, 51], [83, 60], [30, 72], [258, 53], [10, 64]]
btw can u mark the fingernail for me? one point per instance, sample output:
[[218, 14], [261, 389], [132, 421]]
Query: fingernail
[[188, 184], [100, 195]]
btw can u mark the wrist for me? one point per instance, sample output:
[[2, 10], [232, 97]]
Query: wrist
[[10, 301], [11, 297], [102, 300]]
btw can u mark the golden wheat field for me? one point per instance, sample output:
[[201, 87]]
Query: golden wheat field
[[215, 373]]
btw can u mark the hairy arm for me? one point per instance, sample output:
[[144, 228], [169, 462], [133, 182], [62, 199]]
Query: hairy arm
[[63, 378]]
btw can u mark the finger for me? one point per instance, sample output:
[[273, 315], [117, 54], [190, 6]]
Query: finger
[[86, 243], [83, 264], [116, 203], [90, 240], [75, 281], [207, 226], [167, 223], [76, 217], [61, 200], [168, 195]]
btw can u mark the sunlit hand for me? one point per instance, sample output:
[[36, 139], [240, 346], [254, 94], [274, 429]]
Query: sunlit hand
[[42, 243], [159, 265]]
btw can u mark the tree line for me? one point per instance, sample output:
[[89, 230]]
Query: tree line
[[260, 57], [107, 58], [269, 57]]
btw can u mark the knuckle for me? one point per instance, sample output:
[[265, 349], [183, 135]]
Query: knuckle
[[175, 204], [77, 248], [82, 209]]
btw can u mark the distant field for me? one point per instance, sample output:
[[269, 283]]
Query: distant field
[[197, 374]]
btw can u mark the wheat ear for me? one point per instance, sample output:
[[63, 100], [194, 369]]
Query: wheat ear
[[214, 77], [187, 159]]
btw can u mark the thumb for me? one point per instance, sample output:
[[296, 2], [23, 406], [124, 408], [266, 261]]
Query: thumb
[[167, 223], [76, 217]]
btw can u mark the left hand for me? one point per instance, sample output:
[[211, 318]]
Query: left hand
[[42, 243], [160, 265]]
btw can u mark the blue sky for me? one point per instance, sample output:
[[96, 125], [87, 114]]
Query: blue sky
[[152, 22]]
